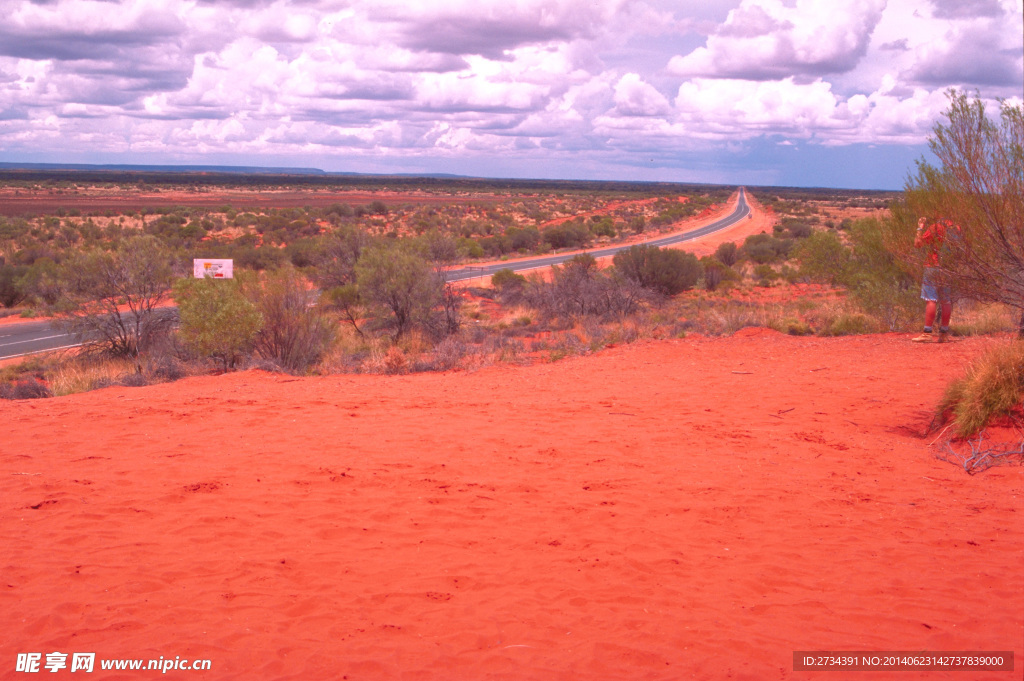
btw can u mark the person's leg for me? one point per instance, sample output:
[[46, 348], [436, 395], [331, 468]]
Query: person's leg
[[946, 305], [929, 314], [930, 296]]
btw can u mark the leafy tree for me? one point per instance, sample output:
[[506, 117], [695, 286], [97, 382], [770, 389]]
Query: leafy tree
[[442, 252], [396, 281], [336, 264], [297, 329], [346, 300], [216, 319], [979, 186], [115, 299]]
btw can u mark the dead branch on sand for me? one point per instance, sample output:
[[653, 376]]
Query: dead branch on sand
[[982, 455]]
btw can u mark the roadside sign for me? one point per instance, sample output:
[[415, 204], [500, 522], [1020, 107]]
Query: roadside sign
[[203, 268]]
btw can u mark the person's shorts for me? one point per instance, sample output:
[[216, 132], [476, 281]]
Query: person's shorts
[[930, 289]]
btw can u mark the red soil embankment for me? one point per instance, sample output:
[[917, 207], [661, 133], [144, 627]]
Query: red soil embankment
[[698, 508]]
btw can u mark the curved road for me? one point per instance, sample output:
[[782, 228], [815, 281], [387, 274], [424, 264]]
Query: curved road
[[742, 211], [26, 338]]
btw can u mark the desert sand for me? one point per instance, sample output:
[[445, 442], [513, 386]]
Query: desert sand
[[675, 509]]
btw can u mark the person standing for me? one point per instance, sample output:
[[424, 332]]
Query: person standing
[[936, 293]]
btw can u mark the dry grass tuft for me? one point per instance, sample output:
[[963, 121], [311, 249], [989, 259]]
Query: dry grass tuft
[[85, 373], [993, 386]]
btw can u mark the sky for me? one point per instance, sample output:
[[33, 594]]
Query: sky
[[811, 93]]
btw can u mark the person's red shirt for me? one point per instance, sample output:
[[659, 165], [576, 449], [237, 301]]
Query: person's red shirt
[[932, 236]]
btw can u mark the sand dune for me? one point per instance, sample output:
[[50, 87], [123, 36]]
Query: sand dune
[[697, 508]]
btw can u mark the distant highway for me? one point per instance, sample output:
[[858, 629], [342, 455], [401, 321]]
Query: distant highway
[[741, 212], [26, 338]]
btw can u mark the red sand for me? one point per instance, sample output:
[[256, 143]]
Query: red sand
[[694, 508]]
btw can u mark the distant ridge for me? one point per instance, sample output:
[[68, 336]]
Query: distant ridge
[[241, 170]]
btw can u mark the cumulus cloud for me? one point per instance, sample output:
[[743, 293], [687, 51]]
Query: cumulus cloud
[[966, 9], [767, 39], [634, 97], [490, 29], [981, 49]]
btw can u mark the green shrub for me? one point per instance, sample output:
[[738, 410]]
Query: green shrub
[[717, 274], [894, 303], [850, 325], [793, 228], [603, 227], [825, 258], [505, 279], [764, 248], [525, 239], [469, 248], [727, 253], [579, 289], [663, 270], [216, 319], [796, 327], [568, 235], [11, 289], [765, 273]]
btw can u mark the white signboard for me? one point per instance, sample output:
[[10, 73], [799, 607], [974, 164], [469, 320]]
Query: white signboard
[[214, 269]]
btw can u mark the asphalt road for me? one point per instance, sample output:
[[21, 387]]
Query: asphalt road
[[26, 338], [741, 212]]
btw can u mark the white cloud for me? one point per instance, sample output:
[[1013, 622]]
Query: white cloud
[[634, 97], [731, 109], [767, 39]]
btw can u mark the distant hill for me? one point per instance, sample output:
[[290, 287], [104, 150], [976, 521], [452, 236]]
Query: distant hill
[[241, 170]]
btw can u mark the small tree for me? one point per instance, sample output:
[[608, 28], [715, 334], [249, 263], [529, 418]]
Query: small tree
[[216, 319], [336, 264], [42, 281], [114, 299], [442, 252], [980, 188], [397, 282], [297, 329]]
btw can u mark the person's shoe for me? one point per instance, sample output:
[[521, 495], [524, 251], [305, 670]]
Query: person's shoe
[[925, 337], [945, 336]]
